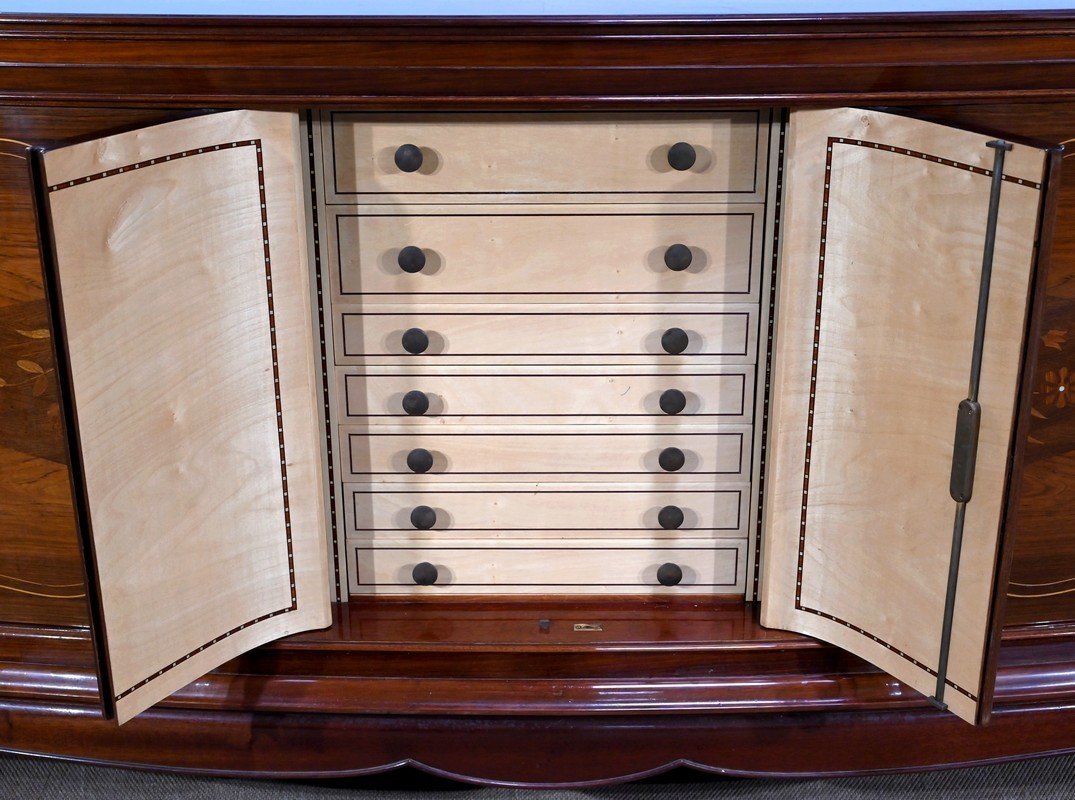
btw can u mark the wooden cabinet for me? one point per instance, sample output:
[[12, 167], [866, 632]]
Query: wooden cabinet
[[579, 410]]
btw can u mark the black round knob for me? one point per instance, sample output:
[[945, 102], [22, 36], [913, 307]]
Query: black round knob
[[678, 257], [409, 158], [672, 401], [423, 517], [681, 156], [669, 574], [411, 259], [674, 341], [416, 341], [671, 459], [419, 460], [416, 403], [424, 574], [670, 517]]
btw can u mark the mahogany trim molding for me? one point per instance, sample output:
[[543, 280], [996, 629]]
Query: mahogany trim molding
[[456, 63]]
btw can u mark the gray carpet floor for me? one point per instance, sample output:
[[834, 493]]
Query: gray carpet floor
[[1040, 779]]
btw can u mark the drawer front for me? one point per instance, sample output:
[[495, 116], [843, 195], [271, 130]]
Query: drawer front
[[719, 394], [583, 255], [598, 334], [555, 509], [528, 567], [543, 154], [424, 456]]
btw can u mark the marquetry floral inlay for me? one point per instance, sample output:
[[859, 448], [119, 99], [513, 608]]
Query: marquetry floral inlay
[[1057, 386]]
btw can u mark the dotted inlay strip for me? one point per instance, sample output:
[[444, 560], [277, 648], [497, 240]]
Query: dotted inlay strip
[[256, 144]]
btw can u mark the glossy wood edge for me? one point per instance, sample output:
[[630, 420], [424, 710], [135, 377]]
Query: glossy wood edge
[[1014, 57], [1017, 462], [558, 753], [69, 425]]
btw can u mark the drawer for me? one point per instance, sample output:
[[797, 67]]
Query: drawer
[[563, 334], [542, 154], [476, 566], [488, 255], [552, 510], [720, 394], [594, 454]]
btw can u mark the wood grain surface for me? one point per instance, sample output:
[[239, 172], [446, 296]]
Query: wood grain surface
[[188, 339], [582, 252], [874, 340]]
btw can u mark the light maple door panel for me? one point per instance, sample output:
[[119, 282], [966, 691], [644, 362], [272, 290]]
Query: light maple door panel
[[883, 234], [180, 266]]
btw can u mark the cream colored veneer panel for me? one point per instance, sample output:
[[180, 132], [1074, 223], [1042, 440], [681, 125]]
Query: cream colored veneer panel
[[599, 334], [181, 257], [478, 254], [546, 153], [714, 394], [513, 456], [858, 515], [531, 567], [558, 509]]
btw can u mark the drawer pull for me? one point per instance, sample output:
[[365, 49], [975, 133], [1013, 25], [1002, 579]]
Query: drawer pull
[[411, 259], [672, 401], [424, 574], [670, 517], [419, 460], [669, 574], [409, 158], [415, 341], [423, 517], [675, 341], [416, 403], [678, 257], [681, 156], [671, 459]]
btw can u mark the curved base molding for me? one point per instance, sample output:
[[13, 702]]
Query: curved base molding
[[537, 752]]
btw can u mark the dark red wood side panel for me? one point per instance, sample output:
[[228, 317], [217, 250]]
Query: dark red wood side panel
[[40, 559]]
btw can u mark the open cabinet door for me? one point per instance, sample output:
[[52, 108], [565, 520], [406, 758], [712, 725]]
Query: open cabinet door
[[884, 241], [179, 280]]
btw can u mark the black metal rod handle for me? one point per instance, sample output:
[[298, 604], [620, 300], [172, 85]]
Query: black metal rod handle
[[965, 451]]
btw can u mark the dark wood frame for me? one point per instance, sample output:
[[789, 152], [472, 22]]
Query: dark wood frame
[[661, 687]]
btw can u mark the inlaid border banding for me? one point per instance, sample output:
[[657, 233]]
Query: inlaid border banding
[[256, 144]]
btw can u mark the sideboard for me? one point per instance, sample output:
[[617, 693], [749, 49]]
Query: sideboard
[[473, 237]]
